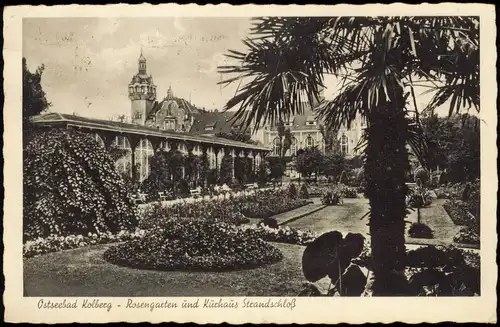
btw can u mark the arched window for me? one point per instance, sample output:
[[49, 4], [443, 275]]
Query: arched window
[[309, 142], [276, 146], [99, 140], [123, 164], [165, 145], [183, 148], [143, 152], [344, 144]]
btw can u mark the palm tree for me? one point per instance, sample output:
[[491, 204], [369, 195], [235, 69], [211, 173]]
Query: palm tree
[[379, 60]]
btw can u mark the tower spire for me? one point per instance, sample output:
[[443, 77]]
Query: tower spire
[[142, 64]]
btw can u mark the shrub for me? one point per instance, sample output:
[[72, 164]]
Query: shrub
[[443, 272], [303, 193], [418, 197], [332, 197], [419, 230], [194, 245], [421, 176], [269, 222], [348, 191], [71, 186], [333, 255], [183, 188], [467, 235], [292, 191]]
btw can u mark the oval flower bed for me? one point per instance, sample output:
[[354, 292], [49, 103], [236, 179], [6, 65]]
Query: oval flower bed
[[194, 245]]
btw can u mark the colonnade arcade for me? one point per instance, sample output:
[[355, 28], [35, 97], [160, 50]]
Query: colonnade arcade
[[139, 149]]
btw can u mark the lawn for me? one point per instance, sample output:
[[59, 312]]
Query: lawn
[[83, 272]]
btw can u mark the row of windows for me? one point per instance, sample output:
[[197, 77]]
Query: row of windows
[[309, 143], [142, 89]]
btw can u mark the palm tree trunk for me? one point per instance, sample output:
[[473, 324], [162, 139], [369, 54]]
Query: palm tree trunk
[[385, 167]]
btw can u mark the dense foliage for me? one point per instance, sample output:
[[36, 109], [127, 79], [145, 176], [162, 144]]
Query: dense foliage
[[454, 145], [34, 98], [71, 187], [463, 206], [194, 245], [309, 161]]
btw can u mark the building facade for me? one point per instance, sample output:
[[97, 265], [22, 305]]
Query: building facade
[[306, 132]]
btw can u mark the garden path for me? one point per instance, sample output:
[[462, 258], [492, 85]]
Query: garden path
[[347, 218], [344, 218]]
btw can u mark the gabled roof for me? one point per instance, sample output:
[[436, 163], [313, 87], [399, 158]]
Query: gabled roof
[[210, 119], [299, 122], [59, 119], [183, 104]]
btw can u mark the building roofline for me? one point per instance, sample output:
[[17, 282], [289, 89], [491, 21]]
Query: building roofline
[[91, 123]]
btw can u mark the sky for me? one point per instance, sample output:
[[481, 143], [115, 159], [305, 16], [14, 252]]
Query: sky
[[90, 61]]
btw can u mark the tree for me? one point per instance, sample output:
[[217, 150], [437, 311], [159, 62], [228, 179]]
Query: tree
[[377, 59], [34, 98], [333, 164], [309, 161], [285, 142], [330, 139], [276, 168], [454, 144], [226, 169]]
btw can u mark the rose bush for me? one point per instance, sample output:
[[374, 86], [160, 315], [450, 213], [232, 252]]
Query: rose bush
[[71, 187], [194, 245]]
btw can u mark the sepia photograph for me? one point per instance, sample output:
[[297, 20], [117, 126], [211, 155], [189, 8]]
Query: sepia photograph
[[267, 158]]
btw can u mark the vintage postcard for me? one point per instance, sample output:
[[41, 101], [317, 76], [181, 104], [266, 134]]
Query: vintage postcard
[[250, 164]]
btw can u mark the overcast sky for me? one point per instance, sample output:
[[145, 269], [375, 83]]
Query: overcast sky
[[90, 61]]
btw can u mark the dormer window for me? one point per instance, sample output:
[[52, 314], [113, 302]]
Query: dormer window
[[310, 121], [210, 127], [169, 124]]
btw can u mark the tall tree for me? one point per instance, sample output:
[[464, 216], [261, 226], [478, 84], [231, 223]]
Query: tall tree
[[34, 98], [330, 139], [377, 59]]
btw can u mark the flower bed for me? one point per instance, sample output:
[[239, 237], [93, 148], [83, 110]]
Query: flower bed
[[280, 235], [227, 210], [344, 190], [457, 210], [234, 210], [54, 243], [467, 235], [194, 245]]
